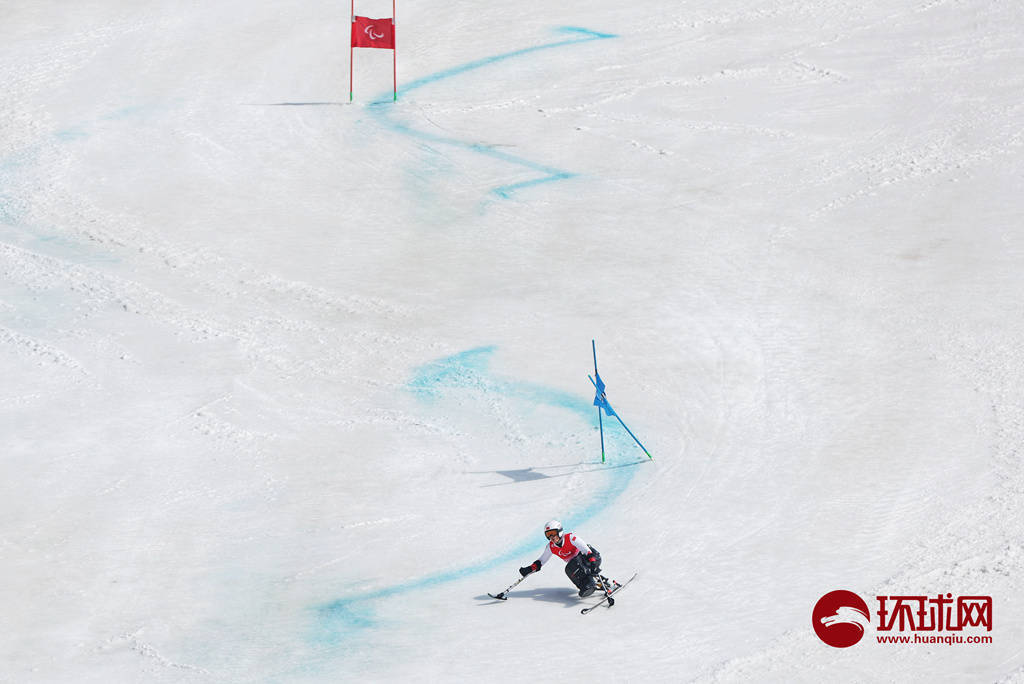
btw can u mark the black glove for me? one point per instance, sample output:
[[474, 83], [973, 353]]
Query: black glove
[[590, 562], [533, 567]]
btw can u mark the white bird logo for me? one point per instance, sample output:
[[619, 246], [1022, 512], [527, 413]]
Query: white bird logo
[[847, 615], [369, 31]]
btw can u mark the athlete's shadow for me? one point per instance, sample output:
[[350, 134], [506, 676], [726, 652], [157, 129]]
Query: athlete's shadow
[[298, 104], [565, 596], [520, 475]]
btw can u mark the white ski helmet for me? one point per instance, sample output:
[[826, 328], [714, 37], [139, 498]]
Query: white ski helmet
[[553, 525]]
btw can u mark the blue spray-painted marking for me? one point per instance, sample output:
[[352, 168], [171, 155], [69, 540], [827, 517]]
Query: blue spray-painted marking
[[71, 134], [9, 214], [581, 35], [380, 109], [470, 370], [345, 618], [13, 208]]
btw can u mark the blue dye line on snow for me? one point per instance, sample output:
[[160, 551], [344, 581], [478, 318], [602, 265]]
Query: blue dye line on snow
[[548, 174], [12, 208], [469, 370], [581, 35]]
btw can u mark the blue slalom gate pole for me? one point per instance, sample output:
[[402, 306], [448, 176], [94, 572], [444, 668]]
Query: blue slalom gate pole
[[623, 425], [600, 424], [601, 401], [635, 439]]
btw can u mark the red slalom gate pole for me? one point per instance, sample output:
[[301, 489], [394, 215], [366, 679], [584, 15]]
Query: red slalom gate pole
[[394, 47], [351, 50]]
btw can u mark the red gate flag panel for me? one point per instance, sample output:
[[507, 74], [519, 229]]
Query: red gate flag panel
[[373, 33]]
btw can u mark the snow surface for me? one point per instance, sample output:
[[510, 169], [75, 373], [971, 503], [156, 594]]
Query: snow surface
[[290, 383]]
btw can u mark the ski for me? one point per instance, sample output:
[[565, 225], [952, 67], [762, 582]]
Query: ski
[[609, 594]]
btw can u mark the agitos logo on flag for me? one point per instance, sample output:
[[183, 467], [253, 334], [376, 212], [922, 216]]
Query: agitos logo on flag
[[373, 33]]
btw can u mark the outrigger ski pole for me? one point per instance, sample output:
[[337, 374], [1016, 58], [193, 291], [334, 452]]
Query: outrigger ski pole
[[503, 596]]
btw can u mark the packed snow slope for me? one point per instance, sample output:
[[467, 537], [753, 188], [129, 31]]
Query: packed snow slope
[[290, 383]]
